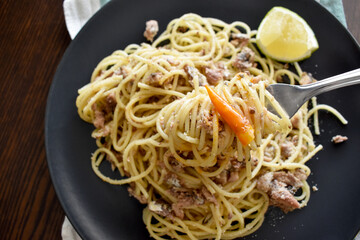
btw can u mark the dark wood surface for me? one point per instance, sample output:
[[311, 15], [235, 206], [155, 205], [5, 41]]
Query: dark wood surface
[[33, 38], [352, 14]]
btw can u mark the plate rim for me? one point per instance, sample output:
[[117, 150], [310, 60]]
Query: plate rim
[[56, 79]]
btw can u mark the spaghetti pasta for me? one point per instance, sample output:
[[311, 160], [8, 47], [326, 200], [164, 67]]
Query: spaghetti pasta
[[157, 126]]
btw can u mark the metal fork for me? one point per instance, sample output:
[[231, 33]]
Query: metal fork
[[292, 97]]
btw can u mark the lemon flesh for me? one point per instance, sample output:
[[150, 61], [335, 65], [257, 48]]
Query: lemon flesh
[[285, 36]]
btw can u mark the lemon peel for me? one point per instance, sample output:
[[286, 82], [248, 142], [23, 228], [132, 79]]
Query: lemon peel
[[285, 36]]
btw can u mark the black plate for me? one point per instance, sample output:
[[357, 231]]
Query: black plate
[[102, 211]]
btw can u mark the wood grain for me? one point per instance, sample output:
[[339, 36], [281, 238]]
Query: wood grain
[[33, 38], [352, 14]]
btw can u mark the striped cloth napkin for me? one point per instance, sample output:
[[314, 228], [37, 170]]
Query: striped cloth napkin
[[78, 12]]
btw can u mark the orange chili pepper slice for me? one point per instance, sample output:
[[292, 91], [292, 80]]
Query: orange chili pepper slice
[[238, 123]]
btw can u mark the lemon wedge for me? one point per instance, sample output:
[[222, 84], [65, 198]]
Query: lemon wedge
[[285, 36]]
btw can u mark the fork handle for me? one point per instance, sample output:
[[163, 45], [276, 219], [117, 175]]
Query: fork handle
[[331, 83]]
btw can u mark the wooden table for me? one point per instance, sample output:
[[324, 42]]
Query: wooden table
[[33, 38]]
